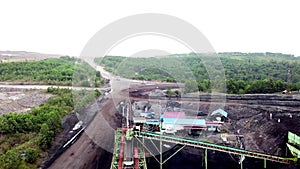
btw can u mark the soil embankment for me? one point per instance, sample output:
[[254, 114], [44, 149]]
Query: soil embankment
[[91, 149]]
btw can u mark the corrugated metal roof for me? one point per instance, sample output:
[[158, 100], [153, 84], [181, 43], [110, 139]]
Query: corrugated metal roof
[[139, 119], [153, 122], [220, 111], [183, 121], [174, 114]]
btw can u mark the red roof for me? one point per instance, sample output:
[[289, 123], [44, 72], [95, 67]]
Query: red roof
[[174, 115]]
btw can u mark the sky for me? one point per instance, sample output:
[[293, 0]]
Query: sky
[[64, 27]]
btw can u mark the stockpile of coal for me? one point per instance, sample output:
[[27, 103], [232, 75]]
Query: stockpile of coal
[[259, 99], [192, 158]]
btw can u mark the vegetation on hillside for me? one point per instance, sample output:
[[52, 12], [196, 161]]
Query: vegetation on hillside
[[24, 138], [53, 71], [244, 72]]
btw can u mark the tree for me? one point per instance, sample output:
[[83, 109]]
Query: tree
[[45, 137], [10, 160], [54, 121], [170, 93], [97, 92], [4, 125], [190, 86], [31, 155]]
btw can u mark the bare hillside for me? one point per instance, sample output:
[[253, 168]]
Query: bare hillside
[[20, 56]]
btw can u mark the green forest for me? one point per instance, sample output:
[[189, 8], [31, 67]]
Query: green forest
[[24, 138], [244, 72], [53, 71]]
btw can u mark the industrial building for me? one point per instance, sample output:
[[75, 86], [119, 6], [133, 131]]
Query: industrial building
[[177, 121]]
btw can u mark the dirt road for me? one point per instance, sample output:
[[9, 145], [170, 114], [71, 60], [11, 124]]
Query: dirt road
[[97, 138]]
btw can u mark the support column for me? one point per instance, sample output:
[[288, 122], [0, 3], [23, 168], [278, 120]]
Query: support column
[[241, 164], [160, 154], [160, 145], [265, 163], [205, 158], [241, 161], [203, 154]]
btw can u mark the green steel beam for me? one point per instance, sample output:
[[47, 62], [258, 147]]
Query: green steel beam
[[141, 156], [189, 142], [148, 150], [173, 154], [294, 150], [211, 146], [293, 138], [117, 138], [154, 146]]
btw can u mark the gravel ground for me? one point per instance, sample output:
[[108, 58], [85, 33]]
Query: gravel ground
[[20, 100]]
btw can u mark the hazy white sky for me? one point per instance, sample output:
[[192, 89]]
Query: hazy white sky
[[64, 27]]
